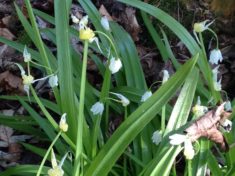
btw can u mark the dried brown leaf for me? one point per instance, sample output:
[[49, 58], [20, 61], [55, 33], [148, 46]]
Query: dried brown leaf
[[207, 126]]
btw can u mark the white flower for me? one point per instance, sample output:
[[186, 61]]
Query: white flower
[[75, 19], [201, 26], [228, 106], [215, 56], [26, 55], [115, 65], [105, 23], [56, 169], [123, 99], [146, 95], [188, 149], [97, 108], [165, 76], [157, 137], [227, 124], [217, 85], [63, 124], [83, 22], [177, 139], [53, 81]]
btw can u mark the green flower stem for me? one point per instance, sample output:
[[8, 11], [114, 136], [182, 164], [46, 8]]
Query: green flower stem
[[79, 144], [111, 42], [35, 63], [217, 40], [28, 68], [189, 167], [47, 153], [163, 119], [50, 118]]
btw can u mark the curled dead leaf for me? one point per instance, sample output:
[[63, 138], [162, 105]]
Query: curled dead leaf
[[207, 126]]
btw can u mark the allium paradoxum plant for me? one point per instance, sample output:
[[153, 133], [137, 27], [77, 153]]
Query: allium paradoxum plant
[[206, 126], [114, 63], [56, 169], [28, 79]]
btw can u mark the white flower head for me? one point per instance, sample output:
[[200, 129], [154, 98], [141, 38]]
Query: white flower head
[[74, 19], [115, 65], [157, 137], [146, 95], [215, 56], [177, 139], [53, 81], [26, 55], [123, 99], [83, 22], [228, 106], [63, 124], [227, 125], [56, 169], [201, 26], [97, 108], [165, 76], [105, 23], [188, 149]]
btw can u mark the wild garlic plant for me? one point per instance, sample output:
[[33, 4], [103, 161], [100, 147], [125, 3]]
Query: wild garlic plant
[[119, 126]]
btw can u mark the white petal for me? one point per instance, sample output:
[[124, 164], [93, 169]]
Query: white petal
[[97, 108], [177, 139], [26, 89], [53, 159], [26, 55], [96, 41], [53, 81], [165, 76], [188, 149], [157, 137], [123, 99], [83, 22], [146, 95], [22, 71], [105, 23], [228, 106], [74, 19], [115, 65], [215, 56], [217, 85]]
